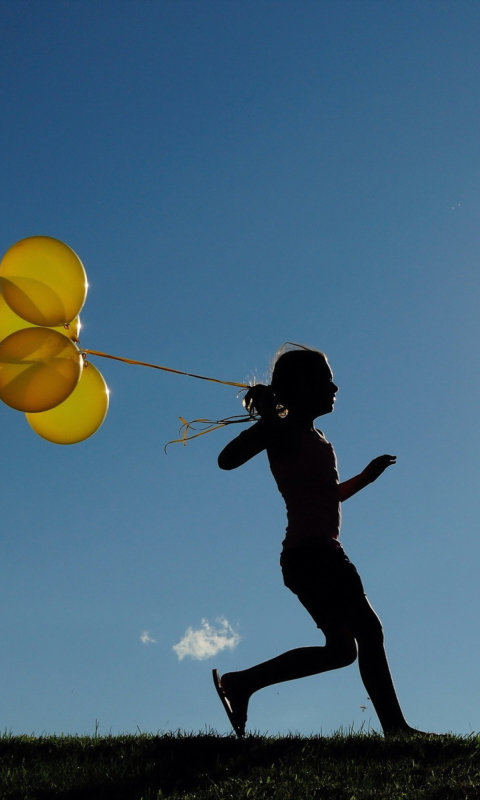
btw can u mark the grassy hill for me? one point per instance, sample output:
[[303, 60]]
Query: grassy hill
[[210, 767]]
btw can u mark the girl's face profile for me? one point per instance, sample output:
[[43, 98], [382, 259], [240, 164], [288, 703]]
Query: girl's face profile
[[303, 383], [319, 389]]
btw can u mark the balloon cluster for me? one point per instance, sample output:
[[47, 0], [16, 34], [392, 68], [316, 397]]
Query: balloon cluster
[[42, 370]]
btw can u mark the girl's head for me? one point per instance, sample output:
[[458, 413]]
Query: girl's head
[[301, 383]]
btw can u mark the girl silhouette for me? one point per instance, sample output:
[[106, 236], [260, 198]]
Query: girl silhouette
[[313, 562]]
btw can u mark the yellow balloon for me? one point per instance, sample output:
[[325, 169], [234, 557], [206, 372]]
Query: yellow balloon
[[79, 416], [43, 281], [11, 322], [39, 368]]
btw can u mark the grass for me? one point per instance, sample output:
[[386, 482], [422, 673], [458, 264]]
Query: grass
[[211, 767]]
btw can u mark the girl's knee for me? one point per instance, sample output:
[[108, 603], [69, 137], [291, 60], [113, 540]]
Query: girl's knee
[[342, 649], [366, 625], [371, 631], [350, 652]]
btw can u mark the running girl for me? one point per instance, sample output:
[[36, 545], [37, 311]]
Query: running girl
[[313, 562]]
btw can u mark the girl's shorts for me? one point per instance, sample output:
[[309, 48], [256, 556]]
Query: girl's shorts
[[326, 583]]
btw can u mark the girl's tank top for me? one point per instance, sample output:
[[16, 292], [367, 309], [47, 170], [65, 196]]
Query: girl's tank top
[[307, 478]]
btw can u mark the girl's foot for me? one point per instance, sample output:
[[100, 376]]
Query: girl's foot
[[234, 702], [408, 731]]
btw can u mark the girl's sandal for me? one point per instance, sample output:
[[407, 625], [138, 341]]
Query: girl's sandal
[[237, 724]]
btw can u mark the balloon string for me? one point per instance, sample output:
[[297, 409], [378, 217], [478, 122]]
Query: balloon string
[[208, 426], [165, 369]]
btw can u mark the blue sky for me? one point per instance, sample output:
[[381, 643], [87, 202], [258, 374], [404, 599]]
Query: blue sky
[[234, 175]]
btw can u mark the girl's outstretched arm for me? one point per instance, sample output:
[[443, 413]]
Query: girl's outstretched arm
[[244, 447], [370, 474]]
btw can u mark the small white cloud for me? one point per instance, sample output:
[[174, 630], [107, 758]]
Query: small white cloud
[[146, 638], [207, 640]]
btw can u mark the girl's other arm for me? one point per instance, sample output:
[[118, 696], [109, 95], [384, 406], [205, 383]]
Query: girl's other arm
[[370, 474], [244, 447]]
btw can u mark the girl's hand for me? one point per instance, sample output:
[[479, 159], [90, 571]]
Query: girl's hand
[[373, 470]]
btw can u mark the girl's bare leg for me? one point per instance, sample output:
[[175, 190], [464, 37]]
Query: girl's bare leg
[[374, 670], [339, 651], [365, 631]]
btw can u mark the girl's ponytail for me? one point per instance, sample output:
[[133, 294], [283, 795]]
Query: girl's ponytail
[[260, 400]]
